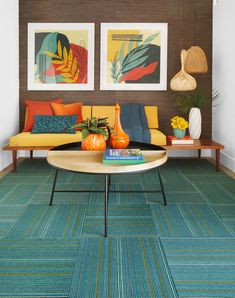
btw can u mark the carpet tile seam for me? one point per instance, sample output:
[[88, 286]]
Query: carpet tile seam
[[226, 191], [49, 221], [166, 264], [83, 220], [221, 220], [186, 221], [201, 193]]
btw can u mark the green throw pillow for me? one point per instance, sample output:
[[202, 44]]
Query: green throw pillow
[[54, 124]]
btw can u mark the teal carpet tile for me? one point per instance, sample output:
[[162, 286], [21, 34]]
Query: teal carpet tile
[[98, 198], [200, 252], [215, 194], [21, 194], [170, 222], [229, 187], [14, 179], [42, 221], [145, 272], [227, 213], [60, 198], [117, 267], [202, 267], [204, 222], [8, 216], [177, 197], [122, 220], [36, 268]]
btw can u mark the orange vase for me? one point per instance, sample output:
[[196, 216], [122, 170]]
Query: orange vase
[[94, 142], [119, 139]]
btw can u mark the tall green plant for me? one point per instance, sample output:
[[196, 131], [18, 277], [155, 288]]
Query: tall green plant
[[196, 99]]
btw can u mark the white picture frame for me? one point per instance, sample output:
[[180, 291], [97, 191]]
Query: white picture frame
[[77, 39], [115, 40]]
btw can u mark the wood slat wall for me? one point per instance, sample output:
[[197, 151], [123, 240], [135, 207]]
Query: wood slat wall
[[189, 23]]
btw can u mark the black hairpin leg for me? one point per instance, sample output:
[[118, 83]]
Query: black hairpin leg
[[53, 188], [162, 188], [107, 184]]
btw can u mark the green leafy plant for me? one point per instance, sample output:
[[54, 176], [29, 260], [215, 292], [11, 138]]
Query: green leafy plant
[[196, 99], [95, 126]]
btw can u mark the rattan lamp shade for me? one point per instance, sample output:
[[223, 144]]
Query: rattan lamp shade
[[196, 61], [182, 81]]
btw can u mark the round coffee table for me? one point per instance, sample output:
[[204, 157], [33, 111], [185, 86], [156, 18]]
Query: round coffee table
[[70, 157]]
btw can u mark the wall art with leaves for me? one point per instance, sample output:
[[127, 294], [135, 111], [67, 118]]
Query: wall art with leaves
[[60, 56], [133, 56]]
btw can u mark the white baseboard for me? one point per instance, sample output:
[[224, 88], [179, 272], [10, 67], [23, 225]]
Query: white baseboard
[[227, 161]]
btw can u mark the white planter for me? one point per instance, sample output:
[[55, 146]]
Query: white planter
[[195, 123]]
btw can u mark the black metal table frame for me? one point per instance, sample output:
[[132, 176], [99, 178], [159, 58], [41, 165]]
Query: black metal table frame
[[107, 191]]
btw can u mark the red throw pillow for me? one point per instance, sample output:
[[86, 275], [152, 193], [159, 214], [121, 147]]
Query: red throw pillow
[[68, 109], [38, 108]]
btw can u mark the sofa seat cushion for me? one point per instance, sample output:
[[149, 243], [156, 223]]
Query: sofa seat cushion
[[157, 137], [26, 139]]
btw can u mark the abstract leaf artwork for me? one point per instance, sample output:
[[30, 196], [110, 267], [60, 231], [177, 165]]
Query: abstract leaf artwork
[[60, 56], [133, 56]]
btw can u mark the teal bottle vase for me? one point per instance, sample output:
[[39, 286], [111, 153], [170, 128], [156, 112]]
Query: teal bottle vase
[[179, 133]]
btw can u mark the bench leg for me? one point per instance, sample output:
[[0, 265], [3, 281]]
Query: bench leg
[[31, 153], [199, 153], [14, 160]]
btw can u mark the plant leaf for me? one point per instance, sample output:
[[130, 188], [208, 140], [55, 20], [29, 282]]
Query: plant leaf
[[70, 58], [151, 38], [74, 66], [68, 80], [76, 76], [61, 67], [121, 53], [65, 55], [67, 75], [136, 53], [130, 45], [50, 54], [136, 63], [57, 62], [59, 49]]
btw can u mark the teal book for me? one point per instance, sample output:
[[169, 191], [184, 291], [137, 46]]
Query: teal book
[[122, 161], [123, 154]]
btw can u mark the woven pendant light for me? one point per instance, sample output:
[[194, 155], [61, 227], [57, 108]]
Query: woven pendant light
[[196, 61], [182, 81]]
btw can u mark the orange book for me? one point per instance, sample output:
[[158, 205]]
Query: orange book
[[183, 141]]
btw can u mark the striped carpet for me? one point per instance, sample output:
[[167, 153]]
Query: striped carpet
[[186, 249]]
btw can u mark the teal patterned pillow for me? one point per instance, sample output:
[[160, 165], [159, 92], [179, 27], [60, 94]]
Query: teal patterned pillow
[[54, 124]]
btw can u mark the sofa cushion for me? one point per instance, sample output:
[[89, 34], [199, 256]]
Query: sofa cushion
[[54, 124], [152, 116], [27, 139], [104, 111], [37, 108], [68, 109], [157, 137]]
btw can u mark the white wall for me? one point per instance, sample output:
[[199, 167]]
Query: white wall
[[223, 129], [9, 75]]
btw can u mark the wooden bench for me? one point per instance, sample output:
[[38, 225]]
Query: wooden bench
[[199, 145]]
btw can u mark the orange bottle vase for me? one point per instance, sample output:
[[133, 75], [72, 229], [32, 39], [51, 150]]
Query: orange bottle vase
[[119, 139]]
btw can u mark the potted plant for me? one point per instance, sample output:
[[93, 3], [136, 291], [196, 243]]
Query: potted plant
[[179, 125], [95, 133], [192, 103]]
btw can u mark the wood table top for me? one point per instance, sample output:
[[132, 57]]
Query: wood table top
[[197, 144], [92, 161]]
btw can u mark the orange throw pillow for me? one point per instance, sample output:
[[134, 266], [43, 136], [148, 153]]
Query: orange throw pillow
[[69, 109], [38, 108]]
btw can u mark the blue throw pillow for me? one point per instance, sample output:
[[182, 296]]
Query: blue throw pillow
[[54, 124]]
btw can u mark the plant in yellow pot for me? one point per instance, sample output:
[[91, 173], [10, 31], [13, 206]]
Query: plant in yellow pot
[[95, 133], [179, 125]]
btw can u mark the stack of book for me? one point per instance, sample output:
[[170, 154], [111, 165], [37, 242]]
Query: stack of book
[[184, 141], [123, 156]]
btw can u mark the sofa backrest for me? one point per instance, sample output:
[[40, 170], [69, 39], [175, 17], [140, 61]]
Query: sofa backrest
[[86, 112], [109, 111]]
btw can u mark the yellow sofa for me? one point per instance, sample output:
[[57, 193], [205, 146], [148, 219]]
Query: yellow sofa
[[28, 141]]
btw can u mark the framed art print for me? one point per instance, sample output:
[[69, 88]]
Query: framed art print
[[133, 56], [60, 56]]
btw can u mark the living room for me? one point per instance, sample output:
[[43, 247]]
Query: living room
[[176, 242]]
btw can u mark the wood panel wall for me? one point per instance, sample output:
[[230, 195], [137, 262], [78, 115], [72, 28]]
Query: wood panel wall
[[189, 23]]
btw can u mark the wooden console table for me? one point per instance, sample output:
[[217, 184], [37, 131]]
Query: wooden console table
[[199, 145]]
